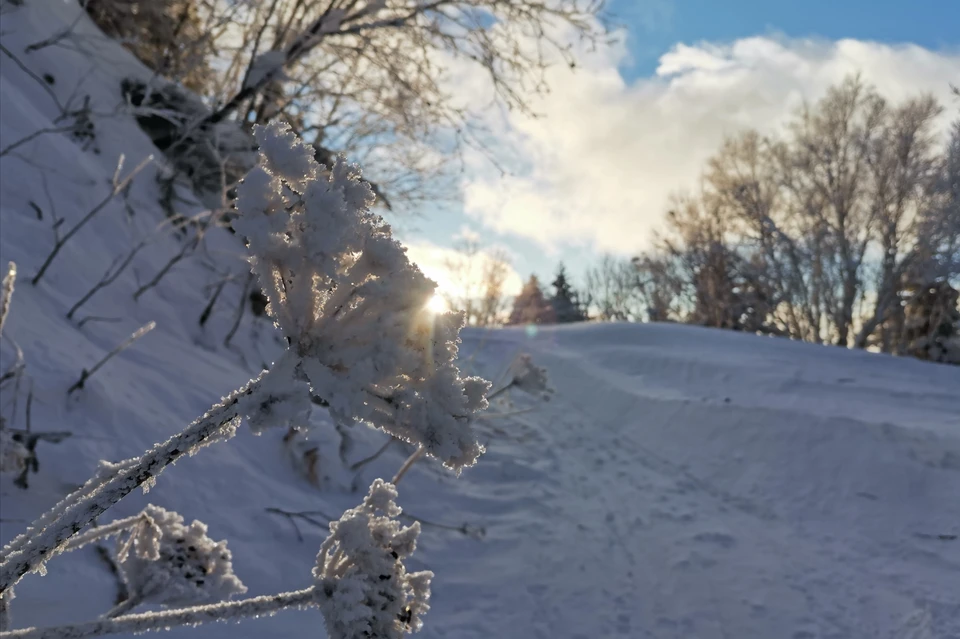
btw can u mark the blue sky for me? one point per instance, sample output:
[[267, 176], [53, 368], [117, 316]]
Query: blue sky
[[618, 138], [657, 25]]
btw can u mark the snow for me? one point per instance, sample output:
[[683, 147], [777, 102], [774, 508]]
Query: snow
[[678, 483]]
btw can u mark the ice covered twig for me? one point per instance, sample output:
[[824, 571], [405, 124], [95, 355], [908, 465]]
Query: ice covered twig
[[105, 471], [361, 585], [47, 536], [6, 293], [353, 310], [5, 600], [87, 374], [166, 619]]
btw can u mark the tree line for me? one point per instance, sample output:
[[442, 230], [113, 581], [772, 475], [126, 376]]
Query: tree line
[[843, 229]]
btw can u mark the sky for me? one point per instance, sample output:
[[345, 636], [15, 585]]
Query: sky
[[636, 121]]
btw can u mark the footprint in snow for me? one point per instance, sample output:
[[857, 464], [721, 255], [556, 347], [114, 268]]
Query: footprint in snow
[[721, 539]]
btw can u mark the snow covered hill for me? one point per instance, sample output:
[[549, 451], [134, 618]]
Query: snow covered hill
[[679, 483]]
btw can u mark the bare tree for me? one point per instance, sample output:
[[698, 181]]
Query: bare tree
[[660, 286], [827, 233], [371, 79], [494, 302], [827, 170], [903, 166], [612, 292], [479, 276]]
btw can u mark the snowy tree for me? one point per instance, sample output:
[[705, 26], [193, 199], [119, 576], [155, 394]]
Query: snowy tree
[[531, 306], [565, 302], [479, 275]]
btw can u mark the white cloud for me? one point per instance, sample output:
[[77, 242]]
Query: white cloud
[[599, 168]]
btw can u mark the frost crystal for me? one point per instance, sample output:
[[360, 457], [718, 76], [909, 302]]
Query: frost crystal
[[364, 590], [352, 307], [165, 562]]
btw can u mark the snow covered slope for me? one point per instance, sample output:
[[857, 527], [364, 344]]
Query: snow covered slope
[[680, 483]]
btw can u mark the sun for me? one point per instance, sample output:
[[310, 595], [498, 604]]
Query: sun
[[437, 304]]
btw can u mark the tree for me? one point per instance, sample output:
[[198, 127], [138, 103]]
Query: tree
[[827, 170], [660, 286], [370, 78], [822, 232], [611, 291], [565, 302], [493, 303], [479, 276], [903, 169], [531, 306]]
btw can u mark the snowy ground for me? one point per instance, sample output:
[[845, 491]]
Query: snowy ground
[[681, 483]]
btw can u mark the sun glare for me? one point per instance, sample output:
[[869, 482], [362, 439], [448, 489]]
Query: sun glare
[[437, 304]]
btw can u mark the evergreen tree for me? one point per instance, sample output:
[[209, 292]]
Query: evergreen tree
[[565, 303], [531, 306]]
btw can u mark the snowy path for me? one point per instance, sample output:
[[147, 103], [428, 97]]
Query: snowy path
[[672, 512]]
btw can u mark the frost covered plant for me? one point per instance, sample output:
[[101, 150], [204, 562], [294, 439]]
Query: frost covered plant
[[166, 562], [353, 311], [364, 586], [163, 561], [174, 564], [361, 584], [352, 308], [525, 375], [6, 293]]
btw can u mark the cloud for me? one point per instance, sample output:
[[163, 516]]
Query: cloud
[[597, 171]]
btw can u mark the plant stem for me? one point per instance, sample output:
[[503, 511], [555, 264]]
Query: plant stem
[[43, 540], [124, 606], [100, 532], [166, 619], [411, 460], [6, 294], [87, 374]]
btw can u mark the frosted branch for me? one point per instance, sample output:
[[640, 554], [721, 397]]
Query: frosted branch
[[102, 532], [6, 293], [44, 540], [118, 186], [103, 474], [87, 374], [167, 619]]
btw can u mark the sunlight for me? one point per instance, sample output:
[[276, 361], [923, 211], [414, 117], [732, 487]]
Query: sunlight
[[437, 304]]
